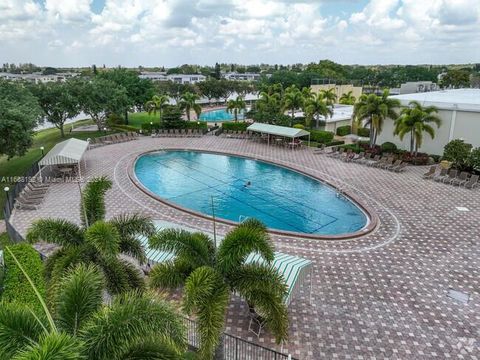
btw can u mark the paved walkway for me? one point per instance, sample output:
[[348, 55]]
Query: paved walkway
[[380, 296]]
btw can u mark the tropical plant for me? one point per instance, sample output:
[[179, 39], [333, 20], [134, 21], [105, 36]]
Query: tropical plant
[[292, 100], [98, 241], [415, 120], [317, 107], [457, 152], [157, 103], [78, 326], [209, 274], [373, 109], [347, 98], [330, 96], [188, 102], [235, 106]]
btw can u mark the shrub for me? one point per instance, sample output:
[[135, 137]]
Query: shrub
[[354, 147], [419, 159], [363, 132], [458, 152], [16, 286], [344, 130], [233, 126], [125, 128], [299, 126], [474, 159], [147, 127], [388, 147], [335, 143], [321, 136]]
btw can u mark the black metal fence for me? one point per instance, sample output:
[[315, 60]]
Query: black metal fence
[[11, 196], [235, 348]]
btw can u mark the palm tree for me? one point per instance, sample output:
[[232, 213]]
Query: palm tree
[[317, 107], [330, 96], [158, 103], [234, 106], [188, 102], [347, 98], [97, 241], [373, 110], [78, 326], [415, 120], [209, 274], [293, 99]]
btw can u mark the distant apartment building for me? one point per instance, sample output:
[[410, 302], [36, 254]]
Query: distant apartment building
[[339, 89], [241, 77], [37, 78], [176, 78], [417, 87]]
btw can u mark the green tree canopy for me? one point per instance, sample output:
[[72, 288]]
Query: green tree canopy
[[19, 115]]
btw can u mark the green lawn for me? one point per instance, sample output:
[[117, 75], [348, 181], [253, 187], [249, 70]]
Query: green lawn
[[139, 118], [17, 166]]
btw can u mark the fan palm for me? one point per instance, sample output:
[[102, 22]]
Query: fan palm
[[373, 109], [235, 106], [79, 326], [158, 103], [415, 120], [98, 241], [292, 100], [347, 98], [208, 275], [188, 102], [317, 107], [330, 96]]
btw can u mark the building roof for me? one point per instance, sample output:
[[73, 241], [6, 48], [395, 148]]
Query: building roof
[[340, 113], [278, 130], [454, 99], [67, 152]]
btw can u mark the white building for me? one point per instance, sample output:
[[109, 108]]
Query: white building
[[154, 76], [342, 116], [37, 77], [459, 110], [418, 87], [186, 78], [242, 77]]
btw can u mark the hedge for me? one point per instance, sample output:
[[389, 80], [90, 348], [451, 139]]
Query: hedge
[[235, 126], [321, 136], [388, 147], [16, 287], [147, 127], [354, 147], [124, 128], [344, 130], [335, 143], [363, 132]]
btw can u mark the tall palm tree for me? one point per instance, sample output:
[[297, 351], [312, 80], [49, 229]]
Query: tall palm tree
[[78, 326], [330, 96], [373, 109], [415, 120], [235, 106], [292, 100], [188, 102], [97, 241], [347, 98], [209, 274], [158, 103], [317, 107]]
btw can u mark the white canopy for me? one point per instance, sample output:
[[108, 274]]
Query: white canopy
[[67, 152], [278, 130]]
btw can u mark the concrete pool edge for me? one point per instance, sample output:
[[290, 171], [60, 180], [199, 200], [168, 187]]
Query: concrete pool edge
[[372, 218]]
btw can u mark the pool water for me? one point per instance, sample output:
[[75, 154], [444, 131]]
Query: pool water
[[283, 199], [220, 115]]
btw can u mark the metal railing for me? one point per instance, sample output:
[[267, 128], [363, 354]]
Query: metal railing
[[235, 348]]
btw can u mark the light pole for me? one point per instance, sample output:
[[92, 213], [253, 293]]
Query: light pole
[[42, 148], [7, 189], [105, 130]]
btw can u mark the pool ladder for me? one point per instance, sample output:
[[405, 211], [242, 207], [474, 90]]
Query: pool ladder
[[242, 218]]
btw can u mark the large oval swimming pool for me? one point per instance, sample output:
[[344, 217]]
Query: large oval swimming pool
[[220, 115], [283, 199]]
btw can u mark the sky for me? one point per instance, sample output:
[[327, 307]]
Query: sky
[[167, 33]]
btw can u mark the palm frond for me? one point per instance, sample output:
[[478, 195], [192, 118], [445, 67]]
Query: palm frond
[[207, 296], [133, 225], [104, 237], [169, 274], [18, 329], [248, 237], [57, 231], [150, 349], [54, 346], [78, 297], [93, 200], [113, 331], [197, 248], [132, 246]]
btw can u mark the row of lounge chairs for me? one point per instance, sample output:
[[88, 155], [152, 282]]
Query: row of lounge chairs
[[113, 139], [377, 161], [452, 177], [236, 134], [178, 133], [31, 196]]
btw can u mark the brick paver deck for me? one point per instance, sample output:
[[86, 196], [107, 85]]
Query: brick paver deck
[[380, 296]]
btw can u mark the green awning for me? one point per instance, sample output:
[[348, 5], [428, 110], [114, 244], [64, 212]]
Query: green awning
[[67, 152], [293, 269], [277, 130]]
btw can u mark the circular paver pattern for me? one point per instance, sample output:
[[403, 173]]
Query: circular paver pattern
[[383, 295]]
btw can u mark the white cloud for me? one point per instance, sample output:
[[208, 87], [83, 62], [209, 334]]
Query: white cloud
[[69, 10]]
